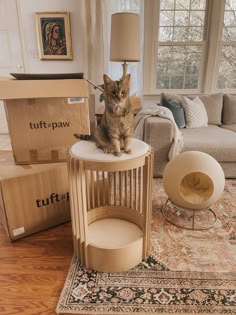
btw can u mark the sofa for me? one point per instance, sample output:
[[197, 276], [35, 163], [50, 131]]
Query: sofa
[[207, 123]]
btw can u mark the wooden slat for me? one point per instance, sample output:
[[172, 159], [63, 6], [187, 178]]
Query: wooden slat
[[131, 188], [71, 173]]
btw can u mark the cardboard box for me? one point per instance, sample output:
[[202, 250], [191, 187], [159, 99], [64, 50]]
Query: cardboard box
[[43, 115], [32, 197]]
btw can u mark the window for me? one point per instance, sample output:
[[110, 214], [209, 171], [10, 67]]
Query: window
[[180, 52], [189, 46], [227, 64]]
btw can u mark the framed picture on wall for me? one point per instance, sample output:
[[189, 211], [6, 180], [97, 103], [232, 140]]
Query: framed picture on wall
[[54, 35]]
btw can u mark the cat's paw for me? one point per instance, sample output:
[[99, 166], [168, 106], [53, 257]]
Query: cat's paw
[[117, 153], [128, 151], [107, 150]]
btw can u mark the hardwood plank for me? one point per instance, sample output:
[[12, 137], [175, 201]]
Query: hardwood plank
[[33, 270]]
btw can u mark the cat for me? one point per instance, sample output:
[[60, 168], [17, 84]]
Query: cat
[[115, 130]]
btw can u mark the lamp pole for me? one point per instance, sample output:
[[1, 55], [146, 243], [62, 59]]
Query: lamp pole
[[125, 68]]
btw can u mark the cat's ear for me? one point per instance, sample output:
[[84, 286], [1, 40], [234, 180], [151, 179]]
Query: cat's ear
[[106, 79], [126, 79]]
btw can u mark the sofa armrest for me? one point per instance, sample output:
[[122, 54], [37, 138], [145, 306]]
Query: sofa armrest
[[159, 133]]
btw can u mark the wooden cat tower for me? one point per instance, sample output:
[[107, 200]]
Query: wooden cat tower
[[111, 201]]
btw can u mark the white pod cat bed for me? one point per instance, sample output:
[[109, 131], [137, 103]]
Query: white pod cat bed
[[193, 180]]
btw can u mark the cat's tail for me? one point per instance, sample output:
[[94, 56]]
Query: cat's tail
[[83, 137]]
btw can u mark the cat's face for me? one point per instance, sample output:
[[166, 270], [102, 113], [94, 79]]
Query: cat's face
[[116, 93]]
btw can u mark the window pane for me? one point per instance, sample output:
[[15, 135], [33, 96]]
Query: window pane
[[191, 82], [182, 24], [181, 18], [229, 18], [166, 34], [162, 82], [178, 66], [227, 65], [177, 82], [229, 34], [192, 67], [163, 68], [197, 18], [164, 52], [227, 70], [198, 4], [166, 18], [196, 34], [230, 5], [180, 34], [167, 4], [182, 4]]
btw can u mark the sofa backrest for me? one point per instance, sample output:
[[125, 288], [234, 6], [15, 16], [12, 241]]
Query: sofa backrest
[[229, 110]]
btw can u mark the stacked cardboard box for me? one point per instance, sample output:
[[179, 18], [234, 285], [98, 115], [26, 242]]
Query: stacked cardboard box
[[42, 117], [32, 197]]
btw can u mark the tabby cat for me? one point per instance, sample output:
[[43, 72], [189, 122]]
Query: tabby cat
[[115, 130]]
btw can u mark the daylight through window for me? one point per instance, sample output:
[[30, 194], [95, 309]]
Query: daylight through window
[[227, 68], [181, 42]]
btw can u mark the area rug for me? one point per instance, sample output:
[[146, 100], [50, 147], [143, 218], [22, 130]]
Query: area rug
[[187, 272]]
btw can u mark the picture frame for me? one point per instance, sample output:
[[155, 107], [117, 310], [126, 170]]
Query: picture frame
[[54, 35]]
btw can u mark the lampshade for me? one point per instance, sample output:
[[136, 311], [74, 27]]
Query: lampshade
[[125, 37]]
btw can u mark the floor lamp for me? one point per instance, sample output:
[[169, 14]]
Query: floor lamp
[[125, 38]]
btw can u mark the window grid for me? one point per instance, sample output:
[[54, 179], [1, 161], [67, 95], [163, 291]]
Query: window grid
[[227, 64], [169, 79]]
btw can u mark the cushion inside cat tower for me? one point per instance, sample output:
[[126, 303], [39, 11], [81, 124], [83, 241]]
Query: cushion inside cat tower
[[113, 233]]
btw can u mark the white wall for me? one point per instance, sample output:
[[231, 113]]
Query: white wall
[[25, 10], [33, 64]]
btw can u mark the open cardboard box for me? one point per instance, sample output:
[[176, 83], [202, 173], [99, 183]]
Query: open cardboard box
[[43, 115]]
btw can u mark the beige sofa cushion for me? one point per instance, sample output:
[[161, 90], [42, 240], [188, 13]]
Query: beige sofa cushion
[[229, 110], [216, 141], [230, 127], [169, 97], [213, 104]]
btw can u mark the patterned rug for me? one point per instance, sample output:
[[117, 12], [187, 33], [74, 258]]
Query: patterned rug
[[187, 272]]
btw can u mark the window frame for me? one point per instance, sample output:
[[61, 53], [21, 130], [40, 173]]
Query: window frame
[[212, 44], [222, 43]]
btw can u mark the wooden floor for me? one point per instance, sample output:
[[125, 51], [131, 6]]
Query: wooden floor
[[33, 270]]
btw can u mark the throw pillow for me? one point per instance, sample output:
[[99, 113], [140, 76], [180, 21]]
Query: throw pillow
[[229, 110], [213, 104], [195, 113], [169, 97], [177, 111]]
